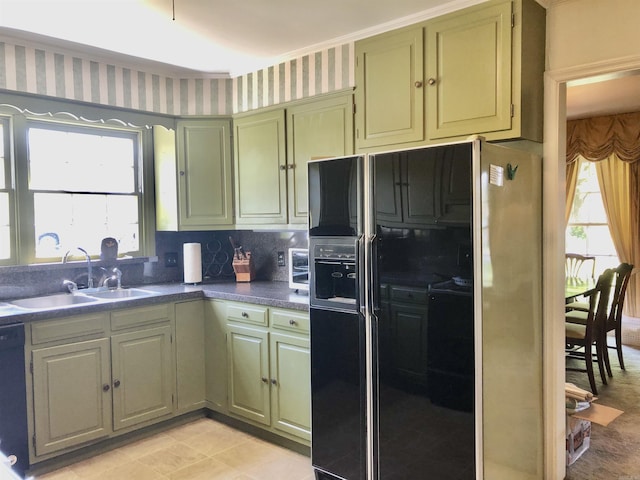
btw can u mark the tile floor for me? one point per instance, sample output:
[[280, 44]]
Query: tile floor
[[201, 450]]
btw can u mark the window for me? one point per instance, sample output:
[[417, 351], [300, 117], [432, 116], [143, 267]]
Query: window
[[587, 231], [85, 186], [5, 211]]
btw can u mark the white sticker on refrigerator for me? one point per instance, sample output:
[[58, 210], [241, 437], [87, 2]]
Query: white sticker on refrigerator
[[496, 175]]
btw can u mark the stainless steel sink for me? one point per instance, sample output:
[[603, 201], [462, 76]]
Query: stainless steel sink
[[53, 301], [114, 294]]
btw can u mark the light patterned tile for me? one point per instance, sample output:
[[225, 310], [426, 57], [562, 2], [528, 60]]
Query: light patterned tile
[[197, 427], [216, 441], [61, 474], [286, 466], [99, 463], [208, 469], [148, 445], [132, 470], [170, 459], [249, 454]]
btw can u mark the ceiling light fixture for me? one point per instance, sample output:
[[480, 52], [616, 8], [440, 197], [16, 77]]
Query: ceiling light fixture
[[173, 4]]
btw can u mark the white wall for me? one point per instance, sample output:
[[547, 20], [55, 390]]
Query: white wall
[[585, 38], [585, 32]]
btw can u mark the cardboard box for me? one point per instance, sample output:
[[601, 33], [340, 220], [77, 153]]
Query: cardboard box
[[578, 438]]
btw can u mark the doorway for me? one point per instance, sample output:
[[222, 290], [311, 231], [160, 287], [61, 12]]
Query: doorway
[[553, 230]]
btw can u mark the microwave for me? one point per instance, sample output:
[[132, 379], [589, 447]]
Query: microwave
[[299, 269]]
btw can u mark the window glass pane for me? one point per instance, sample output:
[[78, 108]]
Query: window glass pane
[[3, 181], [5, 232], [65, 221], [588, 230], [80, 162]]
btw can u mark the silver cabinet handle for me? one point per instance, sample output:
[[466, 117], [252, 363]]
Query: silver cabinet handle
[[292, 322]]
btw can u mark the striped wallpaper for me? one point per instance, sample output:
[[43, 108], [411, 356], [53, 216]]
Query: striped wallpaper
[[37, 71]]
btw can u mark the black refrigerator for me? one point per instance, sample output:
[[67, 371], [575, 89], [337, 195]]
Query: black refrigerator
[[396, 243]]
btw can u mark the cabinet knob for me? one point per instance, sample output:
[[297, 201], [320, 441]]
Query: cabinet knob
[[116, 384], [274, 382], [431, 81], [182, 173], [105, 387], [291, 166], [265, 380], [292, 322], [244, 315], [418, 84], [283, 167]]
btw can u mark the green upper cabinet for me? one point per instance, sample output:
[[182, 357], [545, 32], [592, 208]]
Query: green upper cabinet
[[193, 175], [318, 129], [260, 169], [389, 88], [469, 72], [272, 149], [482, 68]]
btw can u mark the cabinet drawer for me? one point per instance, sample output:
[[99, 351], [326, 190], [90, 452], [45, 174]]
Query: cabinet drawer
[[141, 316], [66, 328], [409, 294], [248, 314], [293, 322]]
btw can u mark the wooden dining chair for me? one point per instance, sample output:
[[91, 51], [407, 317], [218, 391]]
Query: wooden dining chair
[[614, 318], [584, 331], [574, 264], [614, 315]]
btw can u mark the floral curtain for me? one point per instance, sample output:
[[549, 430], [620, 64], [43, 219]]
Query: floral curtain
[[614, 142]]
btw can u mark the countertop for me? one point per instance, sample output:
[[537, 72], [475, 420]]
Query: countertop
[[272, 294]]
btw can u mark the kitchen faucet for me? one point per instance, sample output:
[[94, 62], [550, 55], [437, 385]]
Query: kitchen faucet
[[117, 275], [89, 271]]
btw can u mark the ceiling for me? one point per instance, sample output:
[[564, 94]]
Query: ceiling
[[227, 38]]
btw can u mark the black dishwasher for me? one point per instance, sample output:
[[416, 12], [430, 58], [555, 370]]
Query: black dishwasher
[[13, 408]]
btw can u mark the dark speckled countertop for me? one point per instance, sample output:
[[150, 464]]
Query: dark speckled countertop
[[271, 294]]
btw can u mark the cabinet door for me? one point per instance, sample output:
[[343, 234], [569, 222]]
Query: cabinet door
[[409, 342], [204, 174], [215, 354], [319, 129], [421, 187], [388, 188], [456, 187], [389, 92], [143, 381], [291, 385], [190, 362], [260, 169], [469, 72], [71, 394], [248, 375]]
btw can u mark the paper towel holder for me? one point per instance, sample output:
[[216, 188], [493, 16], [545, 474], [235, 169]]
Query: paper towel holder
[[192, 263]]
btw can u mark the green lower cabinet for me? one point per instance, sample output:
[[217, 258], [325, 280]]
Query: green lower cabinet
[[190, 355], [268, 374], [142, 377], [71, 394], [248, 375], [291, 384]]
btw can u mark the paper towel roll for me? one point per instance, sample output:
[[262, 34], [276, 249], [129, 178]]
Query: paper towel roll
[[192, 254]]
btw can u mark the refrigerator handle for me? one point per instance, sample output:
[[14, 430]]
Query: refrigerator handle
[[361, 274], [373, 287]]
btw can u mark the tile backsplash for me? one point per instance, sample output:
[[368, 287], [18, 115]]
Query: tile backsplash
[[217, 254]]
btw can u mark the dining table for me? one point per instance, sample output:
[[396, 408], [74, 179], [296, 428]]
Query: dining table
[[577, 287]]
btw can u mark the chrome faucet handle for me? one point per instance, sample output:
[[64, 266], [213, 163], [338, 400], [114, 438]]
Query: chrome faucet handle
[[72, 286], [118, 275]]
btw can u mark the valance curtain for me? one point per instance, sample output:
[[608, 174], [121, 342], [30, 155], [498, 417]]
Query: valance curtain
[[614, 142]]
